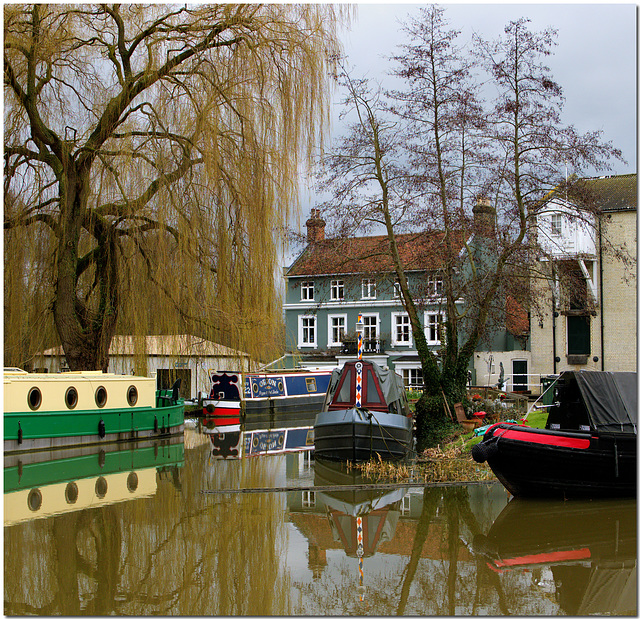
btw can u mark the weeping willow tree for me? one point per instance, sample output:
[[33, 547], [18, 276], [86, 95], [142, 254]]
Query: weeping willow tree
[[151, 156]]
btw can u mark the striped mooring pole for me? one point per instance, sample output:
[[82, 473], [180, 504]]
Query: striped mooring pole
[[359, 331], [360, 553]]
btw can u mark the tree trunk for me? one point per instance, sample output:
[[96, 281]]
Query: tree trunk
[[85, 330]]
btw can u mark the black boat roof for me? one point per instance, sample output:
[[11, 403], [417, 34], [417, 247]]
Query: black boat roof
[[611, 399]]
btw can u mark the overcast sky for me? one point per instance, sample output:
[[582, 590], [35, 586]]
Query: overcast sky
[[594, 61]]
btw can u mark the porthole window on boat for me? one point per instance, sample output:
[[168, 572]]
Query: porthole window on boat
[[34, 398], [34, 500], [132, 395], [71, 397], [101, 487], [132, 482], [101, 396], [71, 492]]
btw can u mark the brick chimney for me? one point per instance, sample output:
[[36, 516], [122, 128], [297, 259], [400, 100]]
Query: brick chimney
[[484, 217], [315, 227]]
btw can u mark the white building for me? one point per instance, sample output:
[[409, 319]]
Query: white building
[[166, 357], [588, 288]]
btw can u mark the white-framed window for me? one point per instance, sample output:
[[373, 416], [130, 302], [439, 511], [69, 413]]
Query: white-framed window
[[400, 329], [368, 288], [397, 291], [412, 378], [337, 289], [337, 328], [433, 327], [370, 333], [308, 498], [306, 291], [556, 224], [307, 332], [435, 286], [370, 324], [405, 506]]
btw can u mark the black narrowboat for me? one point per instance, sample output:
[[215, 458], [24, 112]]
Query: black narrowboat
[[587, 448], [365, 415]]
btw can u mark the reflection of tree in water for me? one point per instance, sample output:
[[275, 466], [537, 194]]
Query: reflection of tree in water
[[180, 552], [439, 576], [449, 583], [455, 583]]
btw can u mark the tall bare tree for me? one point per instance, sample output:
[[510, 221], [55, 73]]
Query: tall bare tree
[[151, 153], [427, 167]]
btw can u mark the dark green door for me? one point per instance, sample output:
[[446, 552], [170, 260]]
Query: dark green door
[[520, 375]]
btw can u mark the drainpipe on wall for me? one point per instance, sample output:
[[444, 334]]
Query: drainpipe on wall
[[553, 318], [601, 295]]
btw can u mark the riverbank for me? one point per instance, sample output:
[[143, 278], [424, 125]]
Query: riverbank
[[446, 463]]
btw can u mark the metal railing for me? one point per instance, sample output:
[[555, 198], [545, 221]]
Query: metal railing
[[369, 346], [531, 383]]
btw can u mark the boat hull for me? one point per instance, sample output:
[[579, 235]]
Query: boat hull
[[50, 411], [359, 435], [221, 412], [55, 429], [290, 399], [531, 462]]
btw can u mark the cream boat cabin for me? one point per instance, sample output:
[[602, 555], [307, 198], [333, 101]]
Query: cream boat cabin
[[44, 411], [76, 391]]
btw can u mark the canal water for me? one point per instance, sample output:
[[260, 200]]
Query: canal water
[[170, 528]]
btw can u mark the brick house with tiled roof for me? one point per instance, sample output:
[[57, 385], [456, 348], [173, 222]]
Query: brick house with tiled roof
[[596, 329], [335, 280]]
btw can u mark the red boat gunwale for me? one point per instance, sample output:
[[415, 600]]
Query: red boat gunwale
[[541, 437]]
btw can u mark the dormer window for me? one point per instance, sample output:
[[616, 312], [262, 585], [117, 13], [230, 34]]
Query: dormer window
[[368, 288], [306, 291], [556, 224]]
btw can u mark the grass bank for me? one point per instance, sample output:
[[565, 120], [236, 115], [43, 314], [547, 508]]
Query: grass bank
[[446, 463]]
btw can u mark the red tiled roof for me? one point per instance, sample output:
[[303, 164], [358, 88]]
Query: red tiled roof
[[370, 254]]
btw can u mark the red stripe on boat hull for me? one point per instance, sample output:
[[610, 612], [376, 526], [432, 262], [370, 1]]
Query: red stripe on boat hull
[[557, 556], [542, 439]]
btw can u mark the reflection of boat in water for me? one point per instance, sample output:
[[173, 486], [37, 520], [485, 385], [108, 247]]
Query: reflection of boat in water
[[237, 396], [47, 483], [236, 442], [361, 519], [352, 501], [588, 448], [48, 411], [365, 414], [589, 547]]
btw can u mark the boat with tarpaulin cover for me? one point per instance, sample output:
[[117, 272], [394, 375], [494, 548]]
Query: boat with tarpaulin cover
[[365, 415], [588, 447]]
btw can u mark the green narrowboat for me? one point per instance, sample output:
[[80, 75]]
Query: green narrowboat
[[49, 411]]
